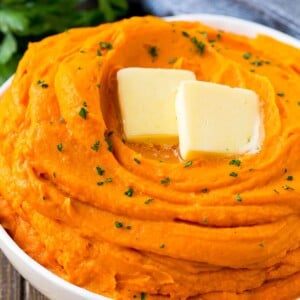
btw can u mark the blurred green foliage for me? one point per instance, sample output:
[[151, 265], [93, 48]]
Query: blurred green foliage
[[23, 21]]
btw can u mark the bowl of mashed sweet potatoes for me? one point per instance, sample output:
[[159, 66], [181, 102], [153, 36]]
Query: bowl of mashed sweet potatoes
[[134, 221]]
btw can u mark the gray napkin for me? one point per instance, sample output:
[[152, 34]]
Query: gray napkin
[[283, 15]]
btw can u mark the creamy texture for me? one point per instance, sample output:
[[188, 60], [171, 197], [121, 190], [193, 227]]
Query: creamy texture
[[123, 219]]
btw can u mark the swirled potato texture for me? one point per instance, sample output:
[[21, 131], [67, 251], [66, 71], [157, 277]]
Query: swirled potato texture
[[132, 220]]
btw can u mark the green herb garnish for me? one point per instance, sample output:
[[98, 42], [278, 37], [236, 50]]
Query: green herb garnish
[[100, 171], [233, 174], [290, 178], [188, 164], [118, 224], [129, 192], [200, 45], [42, 84], [247, 55], [148, 201], [83, 113], [185, 34], [153, 51], [280, 94], [235, 162], [106, 45], [239, 198], [96, 146], [137, 160], [165, 180], [60, 147]]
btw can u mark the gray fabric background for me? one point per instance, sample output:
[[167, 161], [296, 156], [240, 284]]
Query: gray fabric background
[[283, 15]]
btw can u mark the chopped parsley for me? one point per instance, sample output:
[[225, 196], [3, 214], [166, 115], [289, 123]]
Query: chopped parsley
[[257, 63], [162, 246], [42, 84], [148, 201], [186, 34], [165, 180], [280, 94], [233, 174], [239, 198], [129, 192], [128, 227], [108, 180], [106, 45], [290, 178], [247, 55], [100, 183], [261, 245], [137, 160], [60, 147], [44, 198], [153, 51], [200, 45], [99, 53], [275, 191], [95, 147], [99, 170], [235, 162], [143, 296], [83, 113], [204, 191], [118, 224], [188, 164]]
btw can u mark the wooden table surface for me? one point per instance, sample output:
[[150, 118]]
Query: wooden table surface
[[13, 286]]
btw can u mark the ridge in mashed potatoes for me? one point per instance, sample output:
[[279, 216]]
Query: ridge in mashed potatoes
[[133, 221]]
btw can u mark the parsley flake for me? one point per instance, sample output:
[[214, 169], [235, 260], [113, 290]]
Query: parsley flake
[[233, 174], [106, 45], [185, 34], [165, 180], [143, 296], [148, 201], [200, 45], [118, 224], [239, 198], [162, 246], [108, 180], [42, 84], [290, 178], [137, 160], [205, 190], [60, 147], [247, 55], [153, 51], [188, 164], [129, 192], [99, 170], [280, 94], [235, 162], [83, 113], [95, 147], [98, 52]]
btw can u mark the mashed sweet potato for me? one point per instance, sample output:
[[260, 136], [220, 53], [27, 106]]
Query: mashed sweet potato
[[134, 221]]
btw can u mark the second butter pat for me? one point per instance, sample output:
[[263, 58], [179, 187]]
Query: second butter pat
[[215, 118], [147, 103]]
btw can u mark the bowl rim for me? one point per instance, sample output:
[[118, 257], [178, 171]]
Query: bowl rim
[[23, 262]]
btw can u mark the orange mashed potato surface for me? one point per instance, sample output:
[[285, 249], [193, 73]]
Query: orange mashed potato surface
[[133, 221]]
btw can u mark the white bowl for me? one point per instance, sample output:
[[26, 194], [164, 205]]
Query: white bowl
[[45, 281]]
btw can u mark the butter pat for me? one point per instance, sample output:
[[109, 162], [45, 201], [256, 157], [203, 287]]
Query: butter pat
[[217, 118], [147, 103]]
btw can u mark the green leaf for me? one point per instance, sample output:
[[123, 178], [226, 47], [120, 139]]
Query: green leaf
[[12, 21], [8, 48]]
